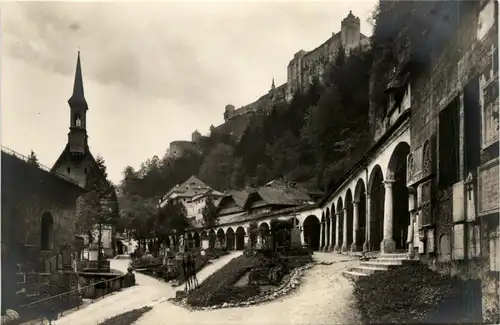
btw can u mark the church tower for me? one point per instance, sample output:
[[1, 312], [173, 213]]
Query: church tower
[[76, 160], [77, 136]]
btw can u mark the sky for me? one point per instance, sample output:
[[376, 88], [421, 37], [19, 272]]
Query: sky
[[153, 72]]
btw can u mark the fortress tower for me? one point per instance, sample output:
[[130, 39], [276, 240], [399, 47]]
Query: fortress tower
[[350, 32]]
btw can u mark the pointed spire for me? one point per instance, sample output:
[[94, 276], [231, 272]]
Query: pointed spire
[[78, 95], [273, 86]]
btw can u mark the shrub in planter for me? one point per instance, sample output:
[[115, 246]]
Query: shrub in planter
[[408, 295], [237, 294]]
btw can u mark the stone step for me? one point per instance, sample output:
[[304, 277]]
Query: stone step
[[353, 275], [393, 255], [394, 261], [376, 265], [368, 270]]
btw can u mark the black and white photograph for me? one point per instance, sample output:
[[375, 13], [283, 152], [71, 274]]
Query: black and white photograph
[[249, 162]]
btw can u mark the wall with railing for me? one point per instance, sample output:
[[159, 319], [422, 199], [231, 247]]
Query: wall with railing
[[42, 167]]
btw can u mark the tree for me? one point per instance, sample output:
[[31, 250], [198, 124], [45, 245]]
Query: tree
[[210, 215], [171, 219], [32, 159], [98, 207], [217, 167]]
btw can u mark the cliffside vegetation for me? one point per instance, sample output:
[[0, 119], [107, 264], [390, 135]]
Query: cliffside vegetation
[[314, 139], [311, 139]]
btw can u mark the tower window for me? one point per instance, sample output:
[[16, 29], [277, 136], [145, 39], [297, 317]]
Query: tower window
[[85, 170], [77, 120], [69, 170]]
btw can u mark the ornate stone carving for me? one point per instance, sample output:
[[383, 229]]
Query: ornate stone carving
[[426, 212], [426, 159], [409, 168]]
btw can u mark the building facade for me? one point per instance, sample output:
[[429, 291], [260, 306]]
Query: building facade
[[193, 194]]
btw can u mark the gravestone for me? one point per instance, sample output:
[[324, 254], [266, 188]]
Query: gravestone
[[205, 244], [295, 238]]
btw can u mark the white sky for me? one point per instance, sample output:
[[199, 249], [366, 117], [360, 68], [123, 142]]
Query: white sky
[[153, 71]]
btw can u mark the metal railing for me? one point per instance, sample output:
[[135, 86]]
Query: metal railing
[[69, 292], [39, 165]]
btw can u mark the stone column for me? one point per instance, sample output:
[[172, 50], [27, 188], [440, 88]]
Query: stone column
[[388, 244], [337, 244], [321, 235], [330, 227], [345, 247], [366, 244], [355, 225], [302, 237]]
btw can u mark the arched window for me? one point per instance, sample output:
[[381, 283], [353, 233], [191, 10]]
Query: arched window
[[47, 232], [78, 120]]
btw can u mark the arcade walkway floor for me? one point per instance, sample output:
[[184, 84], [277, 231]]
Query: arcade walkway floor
[[324, 297]]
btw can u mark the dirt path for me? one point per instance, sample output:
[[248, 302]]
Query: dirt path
[[149, 291], [324, 297]]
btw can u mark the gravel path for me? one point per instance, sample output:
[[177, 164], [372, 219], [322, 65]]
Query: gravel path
[[324, 297], [149, 291]]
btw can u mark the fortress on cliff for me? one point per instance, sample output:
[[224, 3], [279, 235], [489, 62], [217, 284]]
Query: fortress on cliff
[[305, 67], [301, 71]]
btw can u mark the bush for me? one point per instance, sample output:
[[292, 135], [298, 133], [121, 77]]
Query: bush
[[146, 261], [216, 288], [409, 295]]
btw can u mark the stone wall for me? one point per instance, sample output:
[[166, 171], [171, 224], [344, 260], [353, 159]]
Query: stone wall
[[28, 193], [456, 237]]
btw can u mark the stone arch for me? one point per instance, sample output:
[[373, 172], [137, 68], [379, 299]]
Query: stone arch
[[311, 228], [264, 233], [376, 191], [360, 199], [211, 238], [221, 237], [47, 232], [204, 234], [197, 241], [240, 238], [340, 223], [348, 218], [396, 183], [230, 238]]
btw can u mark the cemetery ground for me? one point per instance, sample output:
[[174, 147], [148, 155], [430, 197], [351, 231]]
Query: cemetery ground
[[323, 297], [148, 292]]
